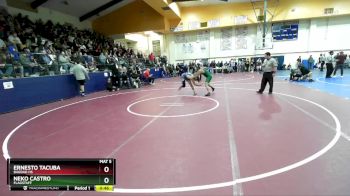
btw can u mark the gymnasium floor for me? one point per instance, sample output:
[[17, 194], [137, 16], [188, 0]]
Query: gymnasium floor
[[294, 142]]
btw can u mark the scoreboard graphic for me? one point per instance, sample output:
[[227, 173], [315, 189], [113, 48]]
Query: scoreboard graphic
[[61, 174]]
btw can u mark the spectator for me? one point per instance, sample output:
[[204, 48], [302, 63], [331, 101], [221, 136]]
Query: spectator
[[2, 44], [299, 60], [14, 39], [110, 86], [311, 62], [28, 62], [6, 67], [322, 61], [124, 76], [116, 76], [340, 63], [81, 75], [148, 76], [136, 79], [152, 58], [102, 58], [64, 61]]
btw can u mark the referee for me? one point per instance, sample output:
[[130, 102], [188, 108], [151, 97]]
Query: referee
[[269, 68], [329, 64]]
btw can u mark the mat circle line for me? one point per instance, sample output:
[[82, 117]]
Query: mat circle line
[[172, 116]]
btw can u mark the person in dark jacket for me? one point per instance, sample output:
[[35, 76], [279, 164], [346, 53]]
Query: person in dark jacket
[[340, 60], [110, 86], [116, 76]]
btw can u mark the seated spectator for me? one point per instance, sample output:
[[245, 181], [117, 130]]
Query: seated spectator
[[64, 62], [148, 76], [2, 44], [50, 63], [6, 67], [89, 62], [28, 62], [15, 59], [103, 61], [301, 73], [124, 76], [102, 58], [136, 82], [14, 39]]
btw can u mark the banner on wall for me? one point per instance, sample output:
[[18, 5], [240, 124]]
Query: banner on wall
[[156, 47], [226, 39], [202, 36], [214, 23], [177, 29], [203, 46], [241, 43], [241, 37], [238, 20], [180, 38], [242, 31], [187, 48], [194, 25]]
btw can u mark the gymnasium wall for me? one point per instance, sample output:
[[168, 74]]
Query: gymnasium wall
[[315, 36], [48, 14], [134, 17], [284, 10], [144, 41]]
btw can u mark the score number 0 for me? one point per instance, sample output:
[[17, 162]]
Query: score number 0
[[106, 170]]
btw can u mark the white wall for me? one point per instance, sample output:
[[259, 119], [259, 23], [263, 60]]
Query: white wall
[[315, 36], [144, 42], [330, 33], [47, 14], [141, 41]]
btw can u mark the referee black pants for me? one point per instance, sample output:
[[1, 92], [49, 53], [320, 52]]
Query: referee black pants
[[267, 77], [329, 70], [322, 65]]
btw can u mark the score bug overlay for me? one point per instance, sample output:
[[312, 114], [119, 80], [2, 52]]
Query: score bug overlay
[[61, 174]]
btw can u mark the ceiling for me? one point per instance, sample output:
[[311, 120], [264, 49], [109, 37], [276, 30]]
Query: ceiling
[[210, 2], [78, 8]]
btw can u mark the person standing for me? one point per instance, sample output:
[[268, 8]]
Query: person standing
[[152, 58], [311, 62], [81, 75], [340, 63], [299, 59], [322, 61], [269, 68], [329, 64]]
